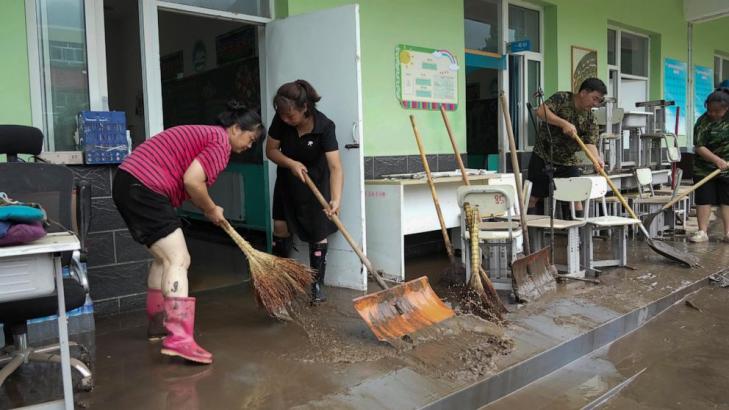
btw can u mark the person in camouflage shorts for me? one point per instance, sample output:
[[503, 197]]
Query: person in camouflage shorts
[[711, 144], [563, 115]]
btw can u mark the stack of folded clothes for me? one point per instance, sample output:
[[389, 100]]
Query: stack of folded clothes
[[20, 222]]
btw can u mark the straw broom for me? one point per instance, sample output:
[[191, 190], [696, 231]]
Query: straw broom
[[276, 281], [490, 299]]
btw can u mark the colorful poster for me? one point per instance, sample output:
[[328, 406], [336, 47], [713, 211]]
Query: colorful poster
[[426, 78], [703, 86], [674, 89]]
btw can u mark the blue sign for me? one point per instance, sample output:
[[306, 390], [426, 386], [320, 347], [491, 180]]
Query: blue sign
[[674, 88], [703, 86], [517, 46]]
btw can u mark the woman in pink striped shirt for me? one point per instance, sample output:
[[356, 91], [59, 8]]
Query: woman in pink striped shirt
[[177, 164]]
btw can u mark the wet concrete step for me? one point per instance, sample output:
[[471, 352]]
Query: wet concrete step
[[563, 321], [677, 360]]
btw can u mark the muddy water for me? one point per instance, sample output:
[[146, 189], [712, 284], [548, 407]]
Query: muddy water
[[328, 359], [680, 360], [685, 354], [331, 360]]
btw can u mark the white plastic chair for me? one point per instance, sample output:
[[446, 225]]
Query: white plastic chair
[[578, 191], [508, 179], [648, 202], [575, 188], [501, 240]]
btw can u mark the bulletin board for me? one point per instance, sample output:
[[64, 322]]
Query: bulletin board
[[674, 88], [426, 78]]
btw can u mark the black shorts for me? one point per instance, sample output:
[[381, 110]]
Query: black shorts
[[149, 216], [540, 181], [714, 192]]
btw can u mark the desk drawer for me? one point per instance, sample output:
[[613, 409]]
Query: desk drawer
[[23, 277]]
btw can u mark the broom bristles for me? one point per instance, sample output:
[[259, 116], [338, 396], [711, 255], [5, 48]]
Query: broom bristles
[[278, 281]]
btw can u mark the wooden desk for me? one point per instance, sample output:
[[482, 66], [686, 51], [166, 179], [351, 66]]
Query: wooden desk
[[43, 249], [398, 207]]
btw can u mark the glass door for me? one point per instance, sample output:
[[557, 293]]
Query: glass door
[[525, 79]]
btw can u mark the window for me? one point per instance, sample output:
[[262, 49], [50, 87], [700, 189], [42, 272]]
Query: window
[[628, 67], [612, 34], [260, 8], [721, 69], [524, 25], [633, 54], [481, 25], [64, 85]]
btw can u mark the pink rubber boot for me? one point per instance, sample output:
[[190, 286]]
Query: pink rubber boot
[[179, 322], [155, 314]]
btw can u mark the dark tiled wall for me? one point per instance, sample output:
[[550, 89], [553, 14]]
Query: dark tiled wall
[[117, 265], [375, 167]]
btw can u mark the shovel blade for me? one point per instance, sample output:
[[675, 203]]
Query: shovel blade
[[674, 254], [403, 309], [533, 275]]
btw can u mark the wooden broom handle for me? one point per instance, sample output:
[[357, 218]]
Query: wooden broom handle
[[602, 172], [235, 236], [343, 230], [459, 161], [431, 184], [517, 173], [692, 189]]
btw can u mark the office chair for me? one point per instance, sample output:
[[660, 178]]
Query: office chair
[[52, 186]]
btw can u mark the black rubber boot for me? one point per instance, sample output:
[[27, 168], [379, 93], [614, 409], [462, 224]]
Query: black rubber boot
[[281, 246], [318, 262]]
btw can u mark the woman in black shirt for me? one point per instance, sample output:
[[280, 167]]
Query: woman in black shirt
[[302, 141]]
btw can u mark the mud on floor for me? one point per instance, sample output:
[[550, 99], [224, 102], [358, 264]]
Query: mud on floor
[[460, 349]]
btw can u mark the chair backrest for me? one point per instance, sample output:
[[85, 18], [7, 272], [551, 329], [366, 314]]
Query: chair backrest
[[492, 200], [600, 116], [644, 179], [672, 150], [509, 179], [47, 184], [20, 139], [576, 189]]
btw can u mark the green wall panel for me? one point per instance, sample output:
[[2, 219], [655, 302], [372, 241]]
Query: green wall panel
[[709, 38], [14, 83], [384, 24]]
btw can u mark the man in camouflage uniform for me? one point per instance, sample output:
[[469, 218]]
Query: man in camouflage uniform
[[563, 115], [711, 144]]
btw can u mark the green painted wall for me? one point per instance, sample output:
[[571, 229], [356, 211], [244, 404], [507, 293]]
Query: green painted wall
[[14, 82], [384, 24], [584, 23], [709, 38]]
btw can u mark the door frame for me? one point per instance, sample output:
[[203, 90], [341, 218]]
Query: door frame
[[151, 75], [504, 75], [149, 38]]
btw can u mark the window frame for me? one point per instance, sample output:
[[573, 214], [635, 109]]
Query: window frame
[[499, 31], [618, 60], [718, 69]]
